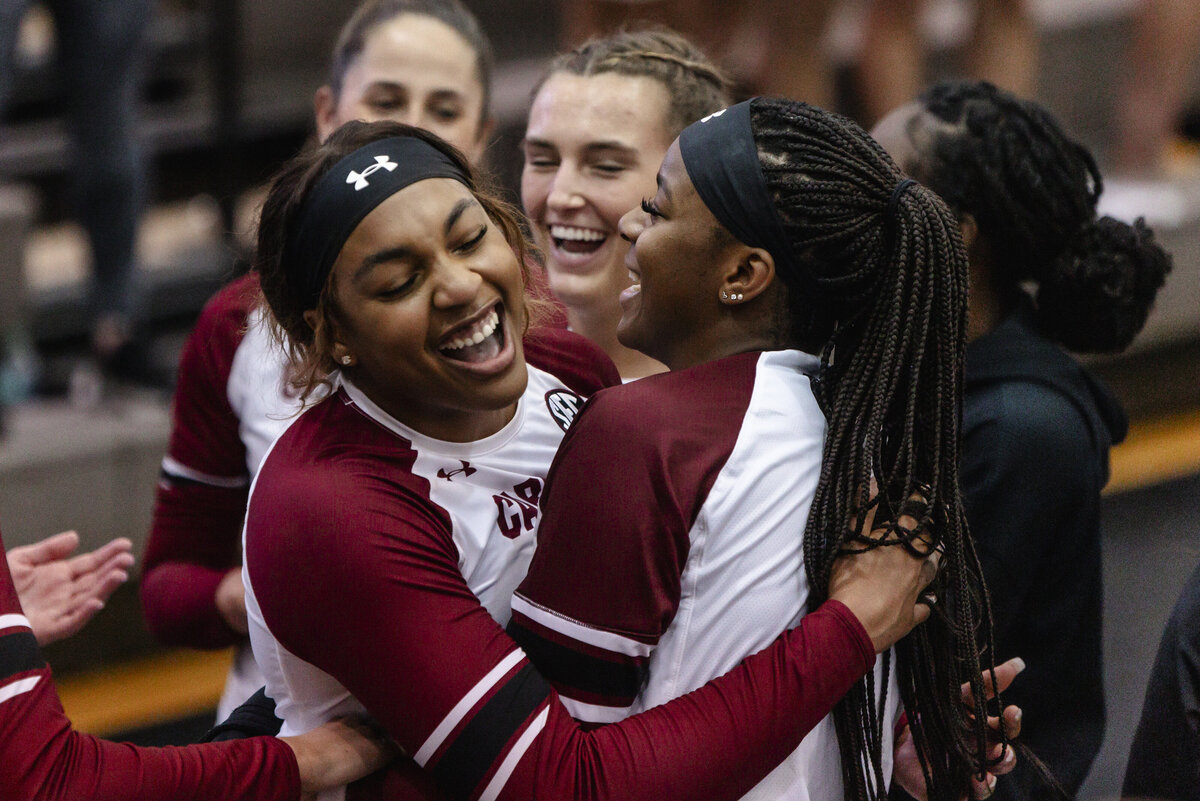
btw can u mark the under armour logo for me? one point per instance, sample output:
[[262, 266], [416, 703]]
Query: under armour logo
[[465, 470], [709, 117], [359, 179]]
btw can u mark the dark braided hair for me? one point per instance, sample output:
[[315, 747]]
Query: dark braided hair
[[1032, 191], [882, 295]]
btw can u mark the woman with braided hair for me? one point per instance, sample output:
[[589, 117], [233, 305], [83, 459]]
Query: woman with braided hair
[[600, 124], [390, 523], [810, 303], [1037, 425]]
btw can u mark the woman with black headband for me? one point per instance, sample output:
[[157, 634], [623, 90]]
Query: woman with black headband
[[810, 303], [390, 524]]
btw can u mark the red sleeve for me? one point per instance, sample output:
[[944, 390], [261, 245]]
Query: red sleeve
[[196, 530], [374, 597], [42, 758], [575, 360]]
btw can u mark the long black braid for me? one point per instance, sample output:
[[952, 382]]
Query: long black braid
[[882, 295], [1033, 191]]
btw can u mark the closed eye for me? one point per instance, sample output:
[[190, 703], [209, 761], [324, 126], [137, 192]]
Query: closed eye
[[398, 290], [649, 207], [474, 241]]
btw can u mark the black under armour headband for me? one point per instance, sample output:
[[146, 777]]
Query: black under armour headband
[[721, 158], [346, 194]]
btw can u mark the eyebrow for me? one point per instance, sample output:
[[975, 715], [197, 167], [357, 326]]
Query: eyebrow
[[456, 212], [397, 254], [662, 185], [380, 257], [590, 147]]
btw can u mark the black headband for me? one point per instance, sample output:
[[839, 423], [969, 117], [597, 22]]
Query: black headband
[[349, 192], [721, 158]]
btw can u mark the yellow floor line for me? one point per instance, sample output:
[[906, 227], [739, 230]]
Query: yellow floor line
[[1156, 451], [144, 693]]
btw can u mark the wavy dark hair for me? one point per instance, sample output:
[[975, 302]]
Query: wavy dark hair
[[1032, 190], [879, 289], [309, 346]]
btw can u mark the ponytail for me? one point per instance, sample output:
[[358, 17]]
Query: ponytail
[[882, 294]]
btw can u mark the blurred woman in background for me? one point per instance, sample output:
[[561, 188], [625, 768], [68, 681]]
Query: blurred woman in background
[[600, 125], [424, 62]]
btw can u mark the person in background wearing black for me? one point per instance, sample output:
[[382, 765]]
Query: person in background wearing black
[[1037, 426]]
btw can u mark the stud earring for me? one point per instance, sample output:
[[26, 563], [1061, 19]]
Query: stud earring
[[347, 360], [737, 297], [724, 295]]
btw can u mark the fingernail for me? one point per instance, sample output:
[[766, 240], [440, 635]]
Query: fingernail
[[1020, 714], [1020, 663]]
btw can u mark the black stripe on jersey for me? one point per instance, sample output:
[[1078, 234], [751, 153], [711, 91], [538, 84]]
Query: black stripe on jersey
[[569, 668], [478, 747], [19, 653], [180, 481]]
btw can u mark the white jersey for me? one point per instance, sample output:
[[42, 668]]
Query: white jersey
[[728, 456]]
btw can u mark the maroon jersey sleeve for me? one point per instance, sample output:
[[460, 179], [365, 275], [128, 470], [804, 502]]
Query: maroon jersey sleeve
[[575, 360], [200, 504], [356, 572], [619, 503], [42, 758]]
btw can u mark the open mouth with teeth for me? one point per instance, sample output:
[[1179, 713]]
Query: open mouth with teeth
[[570, 239], [480, 341]]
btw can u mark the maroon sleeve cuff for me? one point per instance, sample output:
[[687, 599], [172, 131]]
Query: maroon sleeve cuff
[[858, 633]]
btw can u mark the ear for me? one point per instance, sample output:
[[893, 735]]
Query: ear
[[325, 111], [338, 349], [749, 275], [969, 229]]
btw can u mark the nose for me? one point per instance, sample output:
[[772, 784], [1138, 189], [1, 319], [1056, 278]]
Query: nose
[[632, 223], [566, 190], [457, 285]]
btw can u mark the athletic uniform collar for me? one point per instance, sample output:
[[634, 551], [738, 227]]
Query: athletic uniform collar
[[423, 442]]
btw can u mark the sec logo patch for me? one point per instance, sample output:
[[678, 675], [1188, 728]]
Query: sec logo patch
[[563, 405]]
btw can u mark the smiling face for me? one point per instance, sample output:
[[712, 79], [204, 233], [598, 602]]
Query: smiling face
[[679, 260], [591, 151], [428, 306], [417, 70]]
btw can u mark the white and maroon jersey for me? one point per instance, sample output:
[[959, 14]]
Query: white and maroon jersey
[[379, 570], [42, 758], [654, 577], [231, 402]]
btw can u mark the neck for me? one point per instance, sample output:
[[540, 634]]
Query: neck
[[987, 304], [438, 422], [600, 326], [736, 332]]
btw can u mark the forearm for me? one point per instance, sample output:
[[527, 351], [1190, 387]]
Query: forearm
[[718, 741], [54, 762], [193, 544]]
